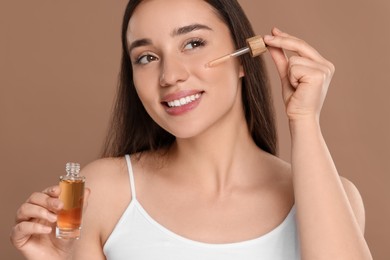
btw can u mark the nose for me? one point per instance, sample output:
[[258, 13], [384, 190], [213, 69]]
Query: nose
[[173, 71]]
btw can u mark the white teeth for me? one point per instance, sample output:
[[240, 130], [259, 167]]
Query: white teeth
[[183, 101]]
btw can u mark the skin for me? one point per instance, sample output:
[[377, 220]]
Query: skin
[[222, 177]]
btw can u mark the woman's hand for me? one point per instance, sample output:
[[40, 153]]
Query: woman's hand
[[34, 231], [305, 76]]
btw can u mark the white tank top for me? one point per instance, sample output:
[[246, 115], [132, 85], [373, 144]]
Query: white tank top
[[137, 236]]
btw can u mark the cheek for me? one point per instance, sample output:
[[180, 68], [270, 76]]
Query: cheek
[[145, 85], [141, 91], [225, 75], [145, 90]]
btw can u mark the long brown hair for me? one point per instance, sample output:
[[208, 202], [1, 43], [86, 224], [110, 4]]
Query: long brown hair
[[132, 130]]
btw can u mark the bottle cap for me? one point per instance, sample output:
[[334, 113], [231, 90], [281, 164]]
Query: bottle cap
[[256, 45]]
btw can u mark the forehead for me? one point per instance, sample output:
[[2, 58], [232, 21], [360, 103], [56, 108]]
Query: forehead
[[162, 16]]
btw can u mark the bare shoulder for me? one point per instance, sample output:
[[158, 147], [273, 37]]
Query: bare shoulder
[[109, 186], [104, 167], [355, 201], [106, 178]]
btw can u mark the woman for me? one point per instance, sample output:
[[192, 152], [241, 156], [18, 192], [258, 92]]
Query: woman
[[203, 181]]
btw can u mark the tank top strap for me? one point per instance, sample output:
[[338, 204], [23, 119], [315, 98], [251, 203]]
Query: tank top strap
[[131, 176]]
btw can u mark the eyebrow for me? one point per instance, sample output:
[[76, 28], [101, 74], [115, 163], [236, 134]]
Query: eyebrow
[[176, 32], [139, 43], [189, 28]]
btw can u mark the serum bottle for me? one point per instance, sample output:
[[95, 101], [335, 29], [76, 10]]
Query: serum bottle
[[72, 195]]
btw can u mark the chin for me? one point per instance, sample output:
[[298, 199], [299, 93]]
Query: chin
[[186, 132]]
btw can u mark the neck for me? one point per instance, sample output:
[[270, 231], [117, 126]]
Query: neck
[[217, 158]]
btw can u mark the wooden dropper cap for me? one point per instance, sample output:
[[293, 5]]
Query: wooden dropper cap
[[256, 45]]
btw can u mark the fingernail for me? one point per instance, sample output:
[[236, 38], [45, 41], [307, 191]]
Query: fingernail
[[277, 30], [268, 37], [53, 190]]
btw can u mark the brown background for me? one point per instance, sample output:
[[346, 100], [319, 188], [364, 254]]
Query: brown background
[[59, 63]]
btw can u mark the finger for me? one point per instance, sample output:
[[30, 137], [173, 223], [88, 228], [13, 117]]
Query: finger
[[281, 61], [325, 66], [277, 31], [22, 232], [30, 211], [53, 191], [44, 200], [303, 61], [87, 192], [328, 65], [293, 44], [324, 69], [301, 74]]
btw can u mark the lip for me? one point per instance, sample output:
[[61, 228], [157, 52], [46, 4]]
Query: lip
[[176, 111]]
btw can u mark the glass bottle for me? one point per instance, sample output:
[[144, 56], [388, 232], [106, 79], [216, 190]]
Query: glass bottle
[[72, 195]]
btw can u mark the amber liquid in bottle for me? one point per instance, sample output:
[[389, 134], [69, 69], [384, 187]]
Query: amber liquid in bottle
[[72, 195]]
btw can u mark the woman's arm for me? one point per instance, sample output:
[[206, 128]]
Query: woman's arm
[[329, 227], [330, 213]]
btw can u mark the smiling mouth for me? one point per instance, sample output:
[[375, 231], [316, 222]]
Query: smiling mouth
[[184, 100]]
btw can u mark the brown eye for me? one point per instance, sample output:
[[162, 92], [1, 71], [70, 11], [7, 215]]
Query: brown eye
[[145, 59], [196, 43]]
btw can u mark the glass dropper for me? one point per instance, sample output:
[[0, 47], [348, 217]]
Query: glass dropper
[[255, 45]]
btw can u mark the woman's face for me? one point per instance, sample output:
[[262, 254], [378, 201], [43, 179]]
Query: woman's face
[[170, 43]]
